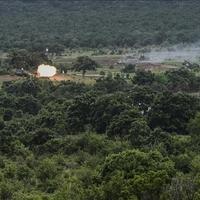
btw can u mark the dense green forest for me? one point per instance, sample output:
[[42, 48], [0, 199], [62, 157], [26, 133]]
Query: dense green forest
[[115, 140], [132, 135], [64, 24]]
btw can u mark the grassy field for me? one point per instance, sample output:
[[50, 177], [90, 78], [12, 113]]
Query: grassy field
[[103, 60], [109, 64]]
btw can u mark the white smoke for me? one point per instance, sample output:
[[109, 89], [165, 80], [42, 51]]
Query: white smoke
[[46, 71], [177, 53]]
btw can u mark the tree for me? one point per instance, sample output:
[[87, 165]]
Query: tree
[[109, 84], [182, 80], [21, 87], [41, 136], [194, 125], [194, 130], [140, 133], [2, 124], [105, 108], [79, 112], [144, 78], [141, 174], [142, 97], [28, 104], [46, 174], [84, 63], [120, 125], [182, 187], [172, 112], [27, 60], [6, 191], [130, 68], [71, 189], [8, 114]]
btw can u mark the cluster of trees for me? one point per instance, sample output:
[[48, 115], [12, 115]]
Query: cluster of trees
[[26, 60], [23, 61], [84, 63], [117, 139], [61, 24]]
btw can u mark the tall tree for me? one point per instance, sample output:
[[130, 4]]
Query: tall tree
[[84, 63]]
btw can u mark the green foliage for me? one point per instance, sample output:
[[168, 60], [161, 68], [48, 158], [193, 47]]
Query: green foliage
[[144, 78], [181, 187], [68, 24], [143, 174], [120, 125], [28, 104], [29, 86], [140, 133], [182, 80], [113, 140], [142, 97], [172, 112], [130, 68], [194, 125], [83, 64], [107, 107], [79, 112], [109, 84], [26, 60]]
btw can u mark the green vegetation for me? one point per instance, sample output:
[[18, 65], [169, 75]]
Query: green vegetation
[[122, 133], [61, 24], [26, 60], [83, 64], [114, 140]]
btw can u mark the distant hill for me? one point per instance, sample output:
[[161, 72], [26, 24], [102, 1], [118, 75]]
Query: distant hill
[[70, 24]]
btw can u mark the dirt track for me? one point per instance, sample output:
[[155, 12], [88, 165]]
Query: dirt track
[[8, 78]]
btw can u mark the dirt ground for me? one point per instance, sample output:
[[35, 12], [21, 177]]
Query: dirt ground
[[87, 79], [4, 78], [155, 67]]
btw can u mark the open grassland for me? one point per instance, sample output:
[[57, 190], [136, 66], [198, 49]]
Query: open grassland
[[104, 60], [108, 64]]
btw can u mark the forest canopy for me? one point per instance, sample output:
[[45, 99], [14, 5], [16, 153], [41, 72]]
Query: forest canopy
[[92, 24], [116, 139]]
